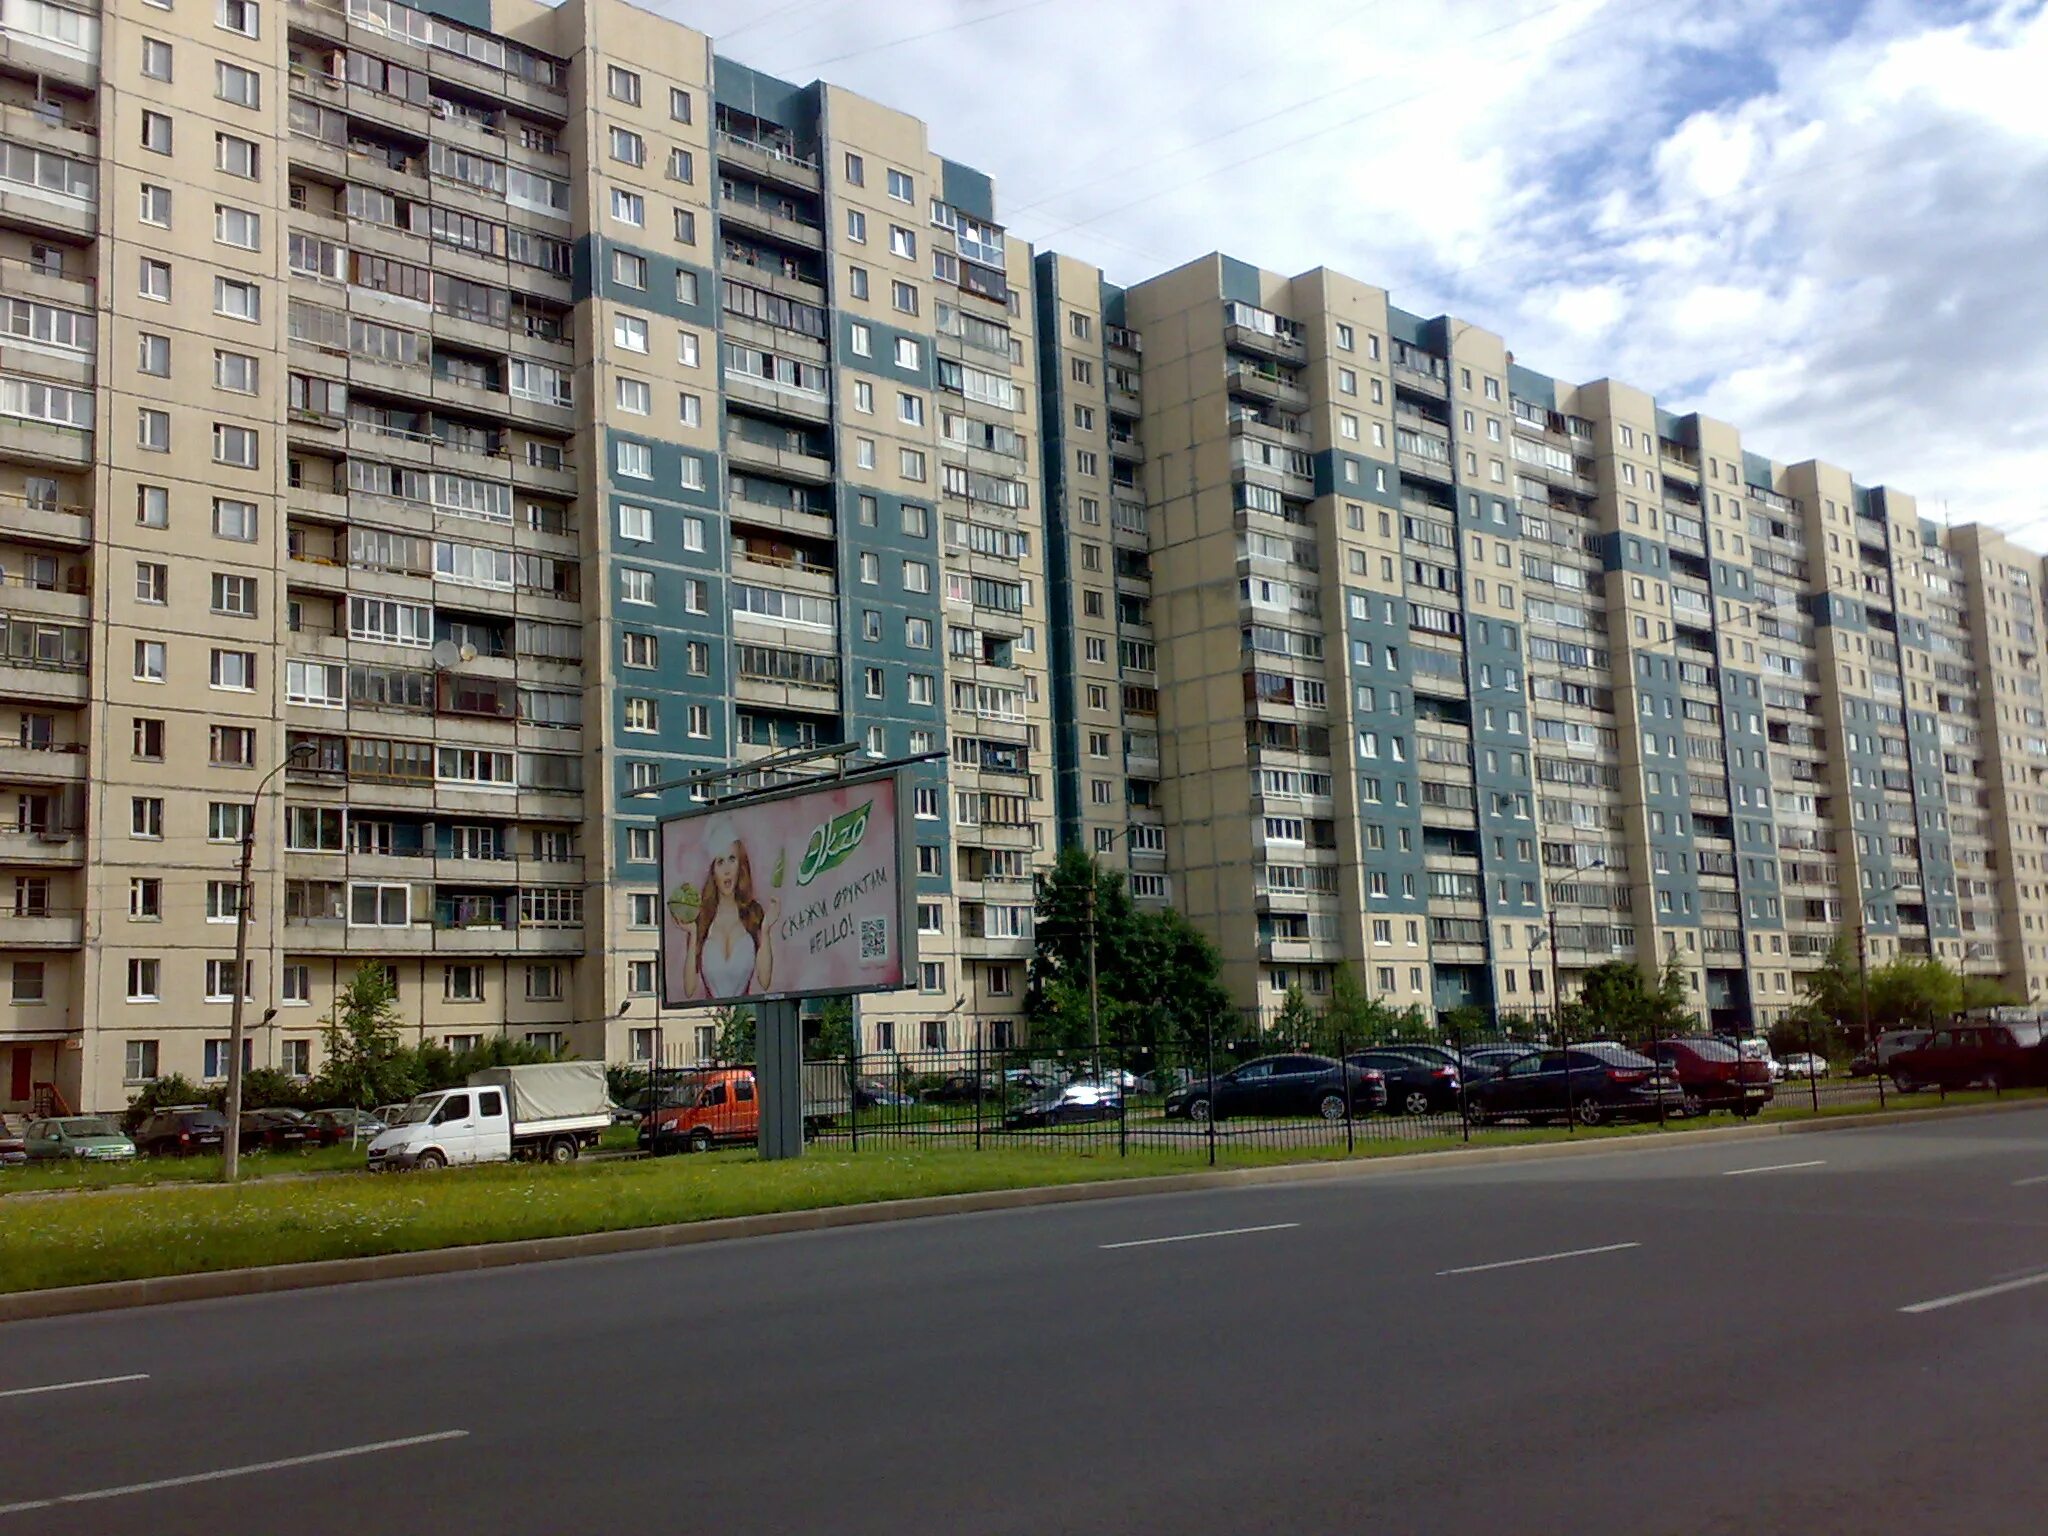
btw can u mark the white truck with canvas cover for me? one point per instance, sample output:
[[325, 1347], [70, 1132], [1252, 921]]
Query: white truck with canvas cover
[[550, 1110]]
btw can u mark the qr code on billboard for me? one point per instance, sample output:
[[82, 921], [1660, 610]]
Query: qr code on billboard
[[874, 940]]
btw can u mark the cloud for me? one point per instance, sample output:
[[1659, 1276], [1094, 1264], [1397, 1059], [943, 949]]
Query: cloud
[[1820, 221]]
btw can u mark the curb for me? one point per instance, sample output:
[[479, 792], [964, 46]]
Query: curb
[[118, 1295]]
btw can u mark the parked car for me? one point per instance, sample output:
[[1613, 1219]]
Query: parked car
[[1712, 1074], [1591, 1083], [1282, 1085], [718, 1106], [180, 1131], [1893, 1041], [338, 1125], [1075, 1103], [1958, 1055], [1863, 1064], [13, 1143], [1417, 1083], [388, 1113], [1163, 1080], [964, 1088], [873, 1093], [79, 1138], [1492, 1060], [1804, 1064], [277, 1130]]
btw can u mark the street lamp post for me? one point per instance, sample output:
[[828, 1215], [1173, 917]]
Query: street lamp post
[[231, 1142]]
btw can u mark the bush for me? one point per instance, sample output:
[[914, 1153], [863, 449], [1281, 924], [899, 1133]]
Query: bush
[[268, 1088], [160, 1091]]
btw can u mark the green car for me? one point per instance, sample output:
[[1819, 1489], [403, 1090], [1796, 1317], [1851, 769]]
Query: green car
[[86, 1137]]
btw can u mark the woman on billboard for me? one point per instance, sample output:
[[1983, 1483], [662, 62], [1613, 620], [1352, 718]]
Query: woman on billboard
[[729, 946]]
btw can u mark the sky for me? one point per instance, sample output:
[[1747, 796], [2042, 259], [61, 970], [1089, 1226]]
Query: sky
[[1822, 221]]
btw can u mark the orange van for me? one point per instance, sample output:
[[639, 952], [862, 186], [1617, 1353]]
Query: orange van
[[706, 1109]]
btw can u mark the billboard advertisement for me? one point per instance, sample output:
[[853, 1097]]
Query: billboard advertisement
[[807, 892]]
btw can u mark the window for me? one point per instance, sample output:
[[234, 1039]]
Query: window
[[634, 461], [686, 288], [629, 207], [856, 170], [910, 409], [860, 339], [223, 900], [629, 333], [153, 430], [146, 816], [904, 297], [234, 670], [622, 84], [146, 899], [235, 520], [700, 722], [679, 104], [152, 582], [640, 715], [237, 16], [156, 205], [628, 147], [232, 83], [686, 227], [235, 446], [27, 981], [901, 188], [146, 741], [237, 227], [917, 576], [910, 463], [640, 977], [236, 372], [237, 300], [220, 983], [154, 356], [909, 352], [902, 242], [686, 348], [462, 983], [690, 410], [635, 397], [636, 523], [379, 906], [231, 746], [155, 281], [156, 132], [236, 156], [149, 661], [856, 226], [682, 166], [295, 985], [1345, 338], [636, 586], [139, 1057], [629, 270], [156, 59]]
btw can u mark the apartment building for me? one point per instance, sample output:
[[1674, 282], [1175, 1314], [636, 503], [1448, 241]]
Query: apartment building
[[469, 422], [486, 416], [1471, 678]]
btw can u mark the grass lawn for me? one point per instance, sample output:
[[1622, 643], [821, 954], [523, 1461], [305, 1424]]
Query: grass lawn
[[41, 1176], [182, 1228]]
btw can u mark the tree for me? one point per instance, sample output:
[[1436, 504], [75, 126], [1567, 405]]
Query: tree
[[1906, 992], [1615, 1002], [366, 1065], [271, 1088], [734, 1040], [1296, 1022], [832, 1039], [1354, 1021], [1157, 974]]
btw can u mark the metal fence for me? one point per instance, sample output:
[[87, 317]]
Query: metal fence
[[1247, 1097]]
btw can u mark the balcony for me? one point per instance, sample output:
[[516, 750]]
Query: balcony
[[792, 460], [54, 848], [72, 63], [763, 220], [41, 930], [45, 523], [42, 442], [57, 764], [772, 163], [1267, 384], [1283, 347], [786, 400]]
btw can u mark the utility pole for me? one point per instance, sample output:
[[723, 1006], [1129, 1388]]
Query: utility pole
[[231, 1142]]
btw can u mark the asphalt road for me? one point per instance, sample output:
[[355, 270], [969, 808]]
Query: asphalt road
[[1818, 1333]]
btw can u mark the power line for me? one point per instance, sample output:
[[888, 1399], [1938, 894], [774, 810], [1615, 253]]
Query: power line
[[780, 10], [918, 37], [1279, 112], [1607, 19]]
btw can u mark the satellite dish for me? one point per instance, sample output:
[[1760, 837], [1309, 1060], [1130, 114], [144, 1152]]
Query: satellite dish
[[447, 654], [469, 653]]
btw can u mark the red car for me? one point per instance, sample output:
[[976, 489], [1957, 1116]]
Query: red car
[[1712, 1074], [2000, 1055]]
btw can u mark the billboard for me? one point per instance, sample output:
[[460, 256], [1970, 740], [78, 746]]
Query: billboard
[[807, 892]]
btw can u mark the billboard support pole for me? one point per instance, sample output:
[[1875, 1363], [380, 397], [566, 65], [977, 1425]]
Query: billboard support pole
[[779, 1080]]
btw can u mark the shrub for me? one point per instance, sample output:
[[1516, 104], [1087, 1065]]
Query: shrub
[[161, 1091]]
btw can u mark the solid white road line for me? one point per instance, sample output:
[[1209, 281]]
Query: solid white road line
[[1190, 1237], [72, 1386], [226, 1472], [1541, 1258], [2039, 1178], [1979, 1294], [1736, 1173]]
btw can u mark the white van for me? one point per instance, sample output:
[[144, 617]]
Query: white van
[[447, 1129]]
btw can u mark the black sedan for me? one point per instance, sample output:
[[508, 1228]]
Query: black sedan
[[1282, 1085], [1591, 1083], [278, 1130], [1075, 1103], [1418, 1081]]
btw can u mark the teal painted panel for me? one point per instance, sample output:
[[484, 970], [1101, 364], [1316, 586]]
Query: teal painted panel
[[591, 274], [1403, 326], [968, 190], [794, 107], [880, 360], [468, 13], [1240, 281], [1355, 475], [1536, 388]]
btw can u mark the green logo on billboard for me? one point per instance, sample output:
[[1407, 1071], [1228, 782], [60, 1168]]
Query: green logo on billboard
[[831, 842]]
